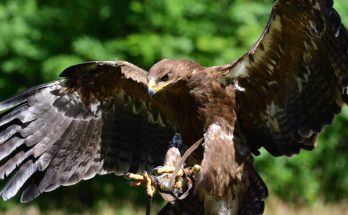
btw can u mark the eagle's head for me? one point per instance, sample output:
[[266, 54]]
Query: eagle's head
[[171, 75]]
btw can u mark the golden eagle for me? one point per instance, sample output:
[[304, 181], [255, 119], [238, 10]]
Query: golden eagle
[[113, 117]]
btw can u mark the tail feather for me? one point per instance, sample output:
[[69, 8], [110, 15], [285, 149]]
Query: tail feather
[[257, 192]]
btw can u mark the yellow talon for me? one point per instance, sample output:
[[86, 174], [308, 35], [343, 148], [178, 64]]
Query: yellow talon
[[196, 169], [139, 180], [165, 174], [165, 169], [150, 190], [135, 177], [178, 184], [181, 173]]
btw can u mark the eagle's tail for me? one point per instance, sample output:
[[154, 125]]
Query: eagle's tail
[[257, 192]]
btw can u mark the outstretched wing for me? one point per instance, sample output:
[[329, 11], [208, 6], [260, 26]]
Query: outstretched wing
[[96, 120], [294, 80]]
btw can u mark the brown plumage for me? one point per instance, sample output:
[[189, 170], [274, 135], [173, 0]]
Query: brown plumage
[[112, 116]]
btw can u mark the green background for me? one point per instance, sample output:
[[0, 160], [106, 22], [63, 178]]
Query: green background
[[39, 38]]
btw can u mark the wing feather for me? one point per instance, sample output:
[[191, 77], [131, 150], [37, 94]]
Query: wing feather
[[18, 179], [9, 146], [294, 80], [93, 121]]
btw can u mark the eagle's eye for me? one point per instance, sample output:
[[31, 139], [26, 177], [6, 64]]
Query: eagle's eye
[[164, 78]]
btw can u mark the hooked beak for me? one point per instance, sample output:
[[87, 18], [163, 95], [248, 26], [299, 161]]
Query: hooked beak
[[153, 87]]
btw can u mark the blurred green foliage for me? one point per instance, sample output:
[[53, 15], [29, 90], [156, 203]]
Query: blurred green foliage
[[39, 38]]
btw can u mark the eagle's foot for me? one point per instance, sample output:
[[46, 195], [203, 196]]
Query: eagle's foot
[[143, 180], [162, 180], [193, 170], [178, 186], [166, 170]]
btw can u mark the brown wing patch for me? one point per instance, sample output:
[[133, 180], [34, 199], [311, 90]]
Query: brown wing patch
[[95, 81], [294, 80], [94, 121]]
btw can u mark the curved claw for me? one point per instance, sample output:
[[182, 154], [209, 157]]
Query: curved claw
[[161, 180], [183, 181], [155, 170]]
